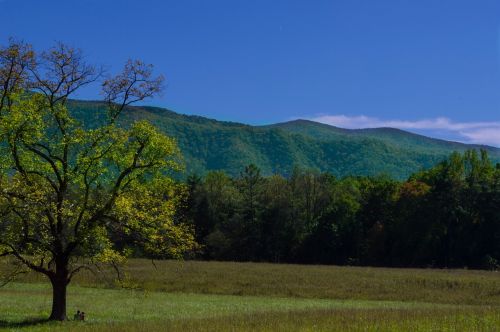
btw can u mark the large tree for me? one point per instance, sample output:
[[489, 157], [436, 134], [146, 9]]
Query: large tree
[[67, 191]]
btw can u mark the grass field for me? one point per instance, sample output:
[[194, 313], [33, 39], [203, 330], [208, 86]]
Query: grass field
[[212, 296]]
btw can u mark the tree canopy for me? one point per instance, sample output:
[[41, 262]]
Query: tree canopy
[[447, 216]]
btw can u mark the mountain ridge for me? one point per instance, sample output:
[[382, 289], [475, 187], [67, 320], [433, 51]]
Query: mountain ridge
[[378, 131], [208, 144]]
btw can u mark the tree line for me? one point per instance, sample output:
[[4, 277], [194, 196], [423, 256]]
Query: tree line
[[447, 216]]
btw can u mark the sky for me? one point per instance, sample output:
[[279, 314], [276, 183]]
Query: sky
[[427, 66]]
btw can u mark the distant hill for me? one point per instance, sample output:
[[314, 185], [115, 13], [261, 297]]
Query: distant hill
[[395, 136], [209, 144]]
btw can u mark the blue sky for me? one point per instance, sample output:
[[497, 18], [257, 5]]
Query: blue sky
[[428, 66]]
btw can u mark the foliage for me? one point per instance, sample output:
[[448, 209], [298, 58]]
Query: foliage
[[446, 216]]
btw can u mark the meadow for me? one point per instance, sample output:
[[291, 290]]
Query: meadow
[[216, 296]]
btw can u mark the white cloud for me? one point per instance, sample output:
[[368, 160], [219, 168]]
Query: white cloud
[[469, 132], [490, 136]]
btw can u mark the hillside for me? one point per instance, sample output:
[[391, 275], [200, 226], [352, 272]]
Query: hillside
[[216, 145], [401, 138]]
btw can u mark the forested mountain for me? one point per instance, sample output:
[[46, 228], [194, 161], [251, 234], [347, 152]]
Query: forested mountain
[[208, 144]]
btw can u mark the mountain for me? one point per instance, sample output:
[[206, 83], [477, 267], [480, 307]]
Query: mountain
[[395, 136], [209, 144]]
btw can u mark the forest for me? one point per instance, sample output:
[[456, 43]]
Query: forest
[[446, 216]]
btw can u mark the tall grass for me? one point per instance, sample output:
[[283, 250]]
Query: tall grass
[[309, 281], [216, 296]]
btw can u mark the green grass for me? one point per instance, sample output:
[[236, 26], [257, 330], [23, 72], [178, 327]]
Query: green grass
[[133, 310], [212, 296]]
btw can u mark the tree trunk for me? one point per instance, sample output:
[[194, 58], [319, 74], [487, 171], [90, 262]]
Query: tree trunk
[[59, 283]]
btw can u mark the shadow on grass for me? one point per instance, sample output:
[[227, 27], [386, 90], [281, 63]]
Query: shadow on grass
[[24, 323]]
